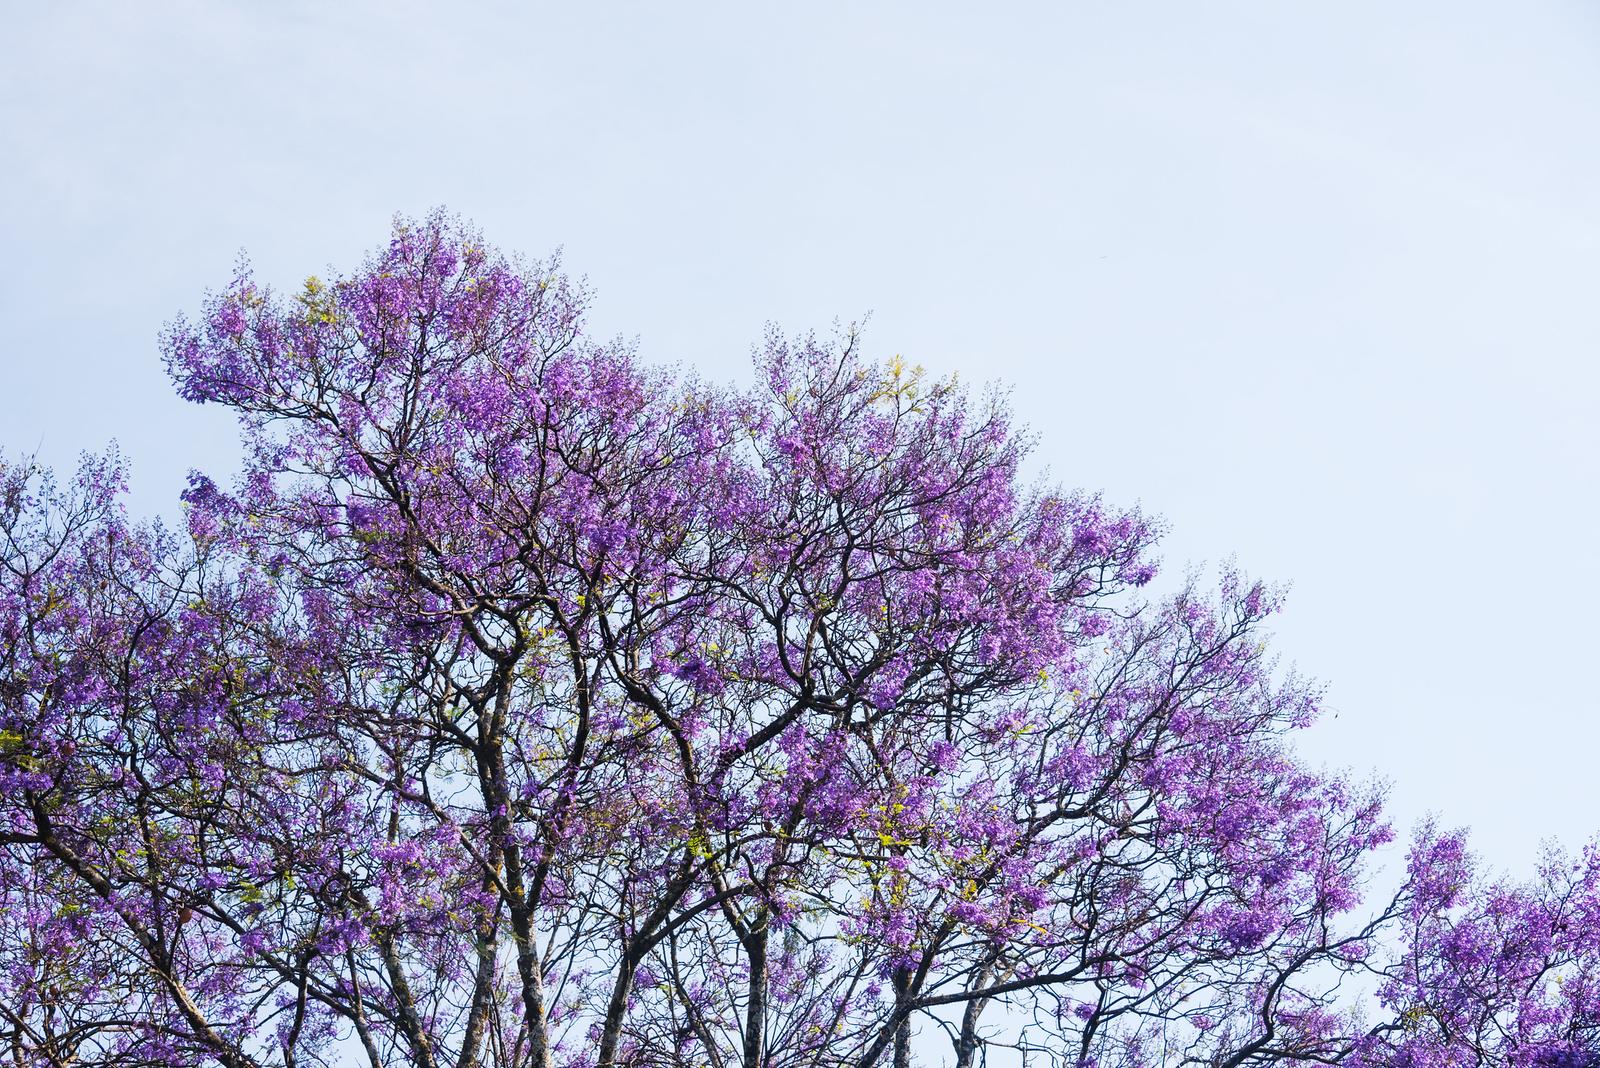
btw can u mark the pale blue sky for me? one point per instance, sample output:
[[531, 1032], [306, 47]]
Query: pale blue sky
[[1316, 282]]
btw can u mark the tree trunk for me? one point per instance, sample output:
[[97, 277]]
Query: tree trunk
[[506, 855], [755, 1016], [902, 1034], [967, 1043], [482, 988], [616, 1009]]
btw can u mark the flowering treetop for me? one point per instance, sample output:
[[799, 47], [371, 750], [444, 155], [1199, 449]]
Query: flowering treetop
[[524, 705]]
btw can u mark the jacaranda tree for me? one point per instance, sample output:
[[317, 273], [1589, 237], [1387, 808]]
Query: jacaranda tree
[[522, 705]]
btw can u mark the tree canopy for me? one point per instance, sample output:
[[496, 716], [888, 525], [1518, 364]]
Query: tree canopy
[[521, 704]]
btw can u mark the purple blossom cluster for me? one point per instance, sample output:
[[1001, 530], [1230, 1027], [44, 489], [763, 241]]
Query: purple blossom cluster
[[523, 705]]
